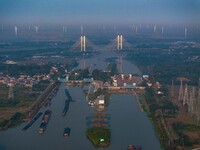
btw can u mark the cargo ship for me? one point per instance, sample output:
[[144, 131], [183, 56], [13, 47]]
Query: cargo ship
[[132, 147], [45, 121], [32, 121], [66, 132]]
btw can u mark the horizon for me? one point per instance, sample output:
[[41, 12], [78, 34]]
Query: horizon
[[100, 12]]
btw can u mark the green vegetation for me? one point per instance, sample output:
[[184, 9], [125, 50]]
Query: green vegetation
[[21, 96], [79, 74], [172, 64], [179, 127], [71, 65], [180, 61], [31, 69], [12, 122], [111, 59], [99, 92], [41, 86], [105, 75], [158, 108], [143, 103], [97, 74], [3, 92], [100, 137], [181, 130]]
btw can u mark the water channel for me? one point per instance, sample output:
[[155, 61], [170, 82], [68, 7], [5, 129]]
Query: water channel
[[128, 125]]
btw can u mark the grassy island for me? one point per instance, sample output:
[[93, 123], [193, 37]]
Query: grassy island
[[100, 137]]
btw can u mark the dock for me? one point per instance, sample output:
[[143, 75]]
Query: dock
[[32, 121], [138, 102]]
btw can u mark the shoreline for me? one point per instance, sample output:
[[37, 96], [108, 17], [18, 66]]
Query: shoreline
[[138, 102], [28, 113]]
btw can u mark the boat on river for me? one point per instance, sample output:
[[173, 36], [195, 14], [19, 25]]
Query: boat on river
[[45, 121], [132, 147], [66, 132]]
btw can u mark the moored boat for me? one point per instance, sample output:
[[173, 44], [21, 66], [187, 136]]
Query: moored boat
[[45, 121], [132, 147]]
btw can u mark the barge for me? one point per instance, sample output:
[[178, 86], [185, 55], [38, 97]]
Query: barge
[[132, 147], [45, 121]]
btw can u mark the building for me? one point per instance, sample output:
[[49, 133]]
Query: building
[[100, 100], [127, 81]]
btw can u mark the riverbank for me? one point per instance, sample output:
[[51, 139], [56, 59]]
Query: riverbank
[[176, 124], [27, 112], [156, 121]]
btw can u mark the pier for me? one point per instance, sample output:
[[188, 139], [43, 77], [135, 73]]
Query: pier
[[138, 102]]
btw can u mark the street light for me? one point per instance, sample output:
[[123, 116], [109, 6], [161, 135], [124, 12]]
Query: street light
[[102, 140]]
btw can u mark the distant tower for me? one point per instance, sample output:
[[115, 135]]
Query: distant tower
[[132, 27], [162, 30], [15, 31], [119, 42], [83, 46], [185, 32], [185, 97], [36, 29], [180, 97], [10, 92], [191, 101], [64, 29], [154, 28], [29, 28], [136, 29], [81, 30]]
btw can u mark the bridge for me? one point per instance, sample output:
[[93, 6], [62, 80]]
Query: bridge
[[83, 44]]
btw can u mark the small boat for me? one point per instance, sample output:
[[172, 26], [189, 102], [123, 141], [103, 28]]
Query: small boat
[[131, 147], [66, 132]]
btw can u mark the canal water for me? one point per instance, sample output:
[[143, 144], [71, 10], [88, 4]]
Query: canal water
[[128, 125]]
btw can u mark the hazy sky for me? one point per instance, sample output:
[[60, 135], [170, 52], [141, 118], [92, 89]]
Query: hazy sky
[[102, 11]]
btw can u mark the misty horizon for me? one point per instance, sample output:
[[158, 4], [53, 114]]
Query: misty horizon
[[100, 11]]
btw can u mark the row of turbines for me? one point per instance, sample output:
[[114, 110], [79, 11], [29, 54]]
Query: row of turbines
[[134, 28], [16, 30], [190, 99]]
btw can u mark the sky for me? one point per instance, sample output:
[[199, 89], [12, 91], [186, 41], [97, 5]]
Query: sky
[[100, 11]]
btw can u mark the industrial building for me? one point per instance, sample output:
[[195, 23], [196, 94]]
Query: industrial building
[[127, 81]]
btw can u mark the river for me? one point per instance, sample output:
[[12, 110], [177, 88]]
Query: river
[[128, 125]]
